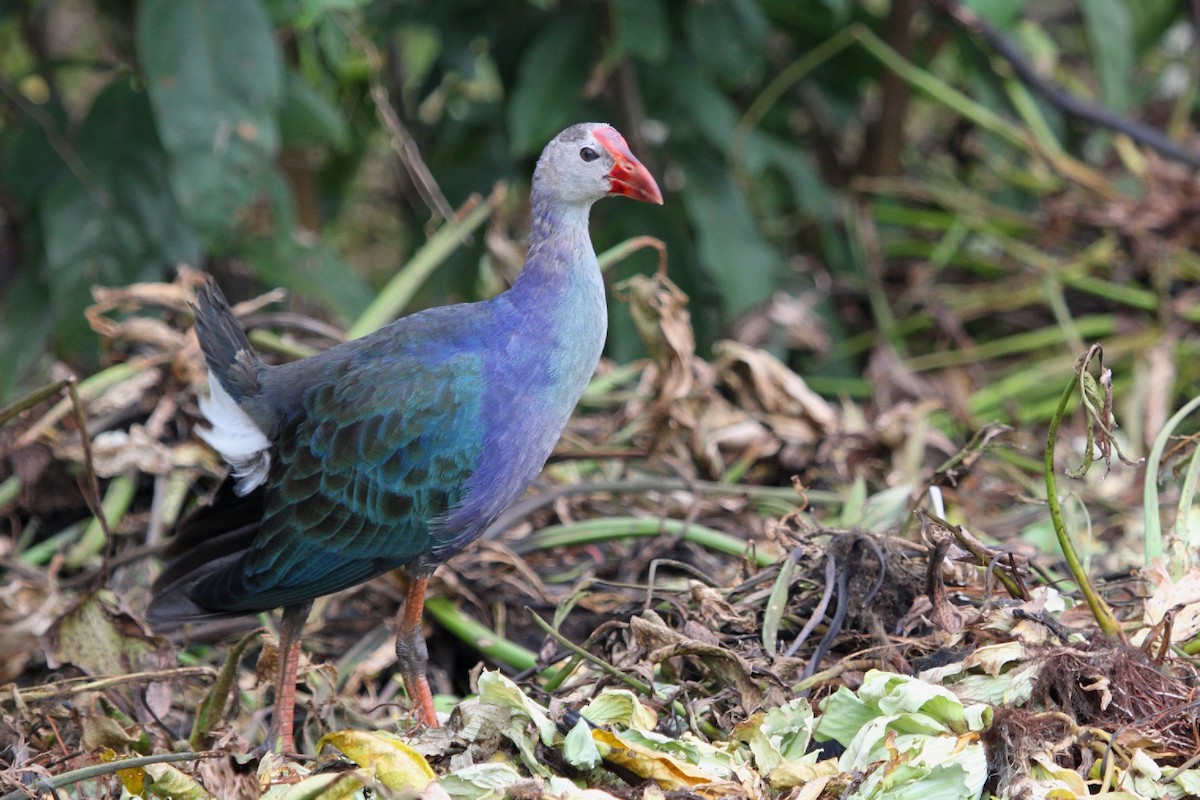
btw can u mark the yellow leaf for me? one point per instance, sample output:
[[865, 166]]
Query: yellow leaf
[[669, 773], [385, 757], [133, 779]]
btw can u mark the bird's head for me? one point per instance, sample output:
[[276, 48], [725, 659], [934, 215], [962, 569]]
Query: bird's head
[[589, 161]]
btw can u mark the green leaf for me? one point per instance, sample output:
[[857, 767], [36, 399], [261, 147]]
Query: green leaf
[[1153, 19], [641, 29], [113, 219], [843, 715], [728, 38], [905, 736], [313, 10], [707, 110], [308, 117], [841, 10], [549, 81], [214, 73], [1110, 35], [28, 160], [1001, 13], [579, 749], [312, 269], [731, 250], [25, 331], [809, 192]]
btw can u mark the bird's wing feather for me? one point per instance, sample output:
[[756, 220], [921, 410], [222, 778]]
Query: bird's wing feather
[[380, 449]]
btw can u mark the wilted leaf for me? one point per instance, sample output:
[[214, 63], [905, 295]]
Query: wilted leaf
[[325, 786], [26, 612], [503, 709], [779, 739], [1179, 597], [762, 382], [383, 757], [102, 732], [659, 311], [669, 772], [579, 749], [619, 707], [119, 452], [498, 690], [171, 783], [726, 666], [480, 782], [1048, 779], [101, 640]]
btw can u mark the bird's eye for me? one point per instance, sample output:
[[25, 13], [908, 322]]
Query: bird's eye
[[588, 154]]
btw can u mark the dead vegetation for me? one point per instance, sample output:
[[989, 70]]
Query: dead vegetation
[[714, 552]]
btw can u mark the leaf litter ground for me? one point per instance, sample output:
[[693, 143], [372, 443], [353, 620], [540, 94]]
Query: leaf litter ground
[[723, 585]]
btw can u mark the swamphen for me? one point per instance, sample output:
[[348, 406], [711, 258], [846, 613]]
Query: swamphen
[[397, 449]]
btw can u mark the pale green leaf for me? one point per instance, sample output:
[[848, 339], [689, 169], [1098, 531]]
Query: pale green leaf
[[578, 747]]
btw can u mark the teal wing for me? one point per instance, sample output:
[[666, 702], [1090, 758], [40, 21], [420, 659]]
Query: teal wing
[[375, 454]]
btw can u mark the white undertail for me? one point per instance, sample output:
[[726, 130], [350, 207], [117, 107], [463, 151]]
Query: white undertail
[[235, 436]]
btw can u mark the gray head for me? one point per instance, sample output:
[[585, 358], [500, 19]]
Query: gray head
[[589, 161]]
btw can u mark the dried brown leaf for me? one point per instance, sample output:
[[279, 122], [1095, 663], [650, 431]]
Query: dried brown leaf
[[762, 382], [724, 665], [27, 610]]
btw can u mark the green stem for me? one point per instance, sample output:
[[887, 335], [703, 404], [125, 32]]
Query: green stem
[[630, 681], [400, 290], [1153, 520], [1183, 512], [269, 341], [603, 530], [622, 251], [88, 389], [117, 500], [30, 400], [1092, 327], [479, 636], [96, 771], [1100, 610], [10, 490]]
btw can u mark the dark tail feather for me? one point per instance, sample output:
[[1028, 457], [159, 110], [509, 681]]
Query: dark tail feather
[[207, 540], [226, 348]]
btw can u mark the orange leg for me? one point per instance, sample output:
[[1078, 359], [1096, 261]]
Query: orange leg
[[290, 628], [412, 654]]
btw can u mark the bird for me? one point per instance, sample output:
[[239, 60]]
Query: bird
[[398, 449]]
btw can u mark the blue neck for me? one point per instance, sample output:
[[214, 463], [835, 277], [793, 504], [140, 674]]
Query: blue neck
[[560, 293], [547, 334]]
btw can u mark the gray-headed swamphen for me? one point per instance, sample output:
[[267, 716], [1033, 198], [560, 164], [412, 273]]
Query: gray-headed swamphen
[[397, 449]]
